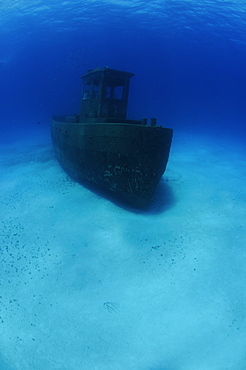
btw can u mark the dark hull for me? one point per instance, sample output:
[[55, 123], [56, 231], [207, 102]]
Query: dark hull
[[125, 159]]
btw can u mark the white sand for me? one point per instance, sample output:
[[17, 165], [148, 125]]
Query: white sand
[[86, 284]]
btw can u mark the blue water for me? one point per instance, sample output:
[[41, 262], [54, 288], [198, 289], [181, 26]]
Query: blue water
[[84, 283], [188, 57]]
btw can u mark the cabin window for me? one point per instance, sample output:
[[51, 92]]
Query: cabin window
[[114, 92], [95, 89], [86, 91]]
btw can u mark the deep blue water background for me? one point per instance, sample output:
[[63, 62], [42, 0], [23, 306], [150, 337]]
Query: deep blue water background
[[189, 60]]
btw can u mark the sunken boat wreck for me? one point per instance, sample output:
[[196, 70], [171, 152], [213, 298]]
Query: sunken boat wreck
[[100, 146]]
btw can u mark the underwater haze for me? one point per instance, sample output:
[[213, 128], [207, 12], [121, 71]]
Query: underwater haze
[[88, 284], [188, 58]]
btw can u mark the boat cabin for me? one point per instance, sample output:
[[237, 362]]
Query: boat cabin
[[104, 95]]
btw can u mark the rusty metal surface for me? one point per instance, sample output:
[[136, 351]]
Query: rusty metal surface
[[125, 157]]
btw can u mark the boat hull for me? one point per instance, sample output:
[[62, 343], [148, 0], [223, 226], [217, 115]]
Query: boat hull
[[126, 159]]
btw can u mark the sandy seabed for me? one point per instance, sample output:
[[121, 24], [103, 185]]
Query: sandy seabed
[[86, 284]]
